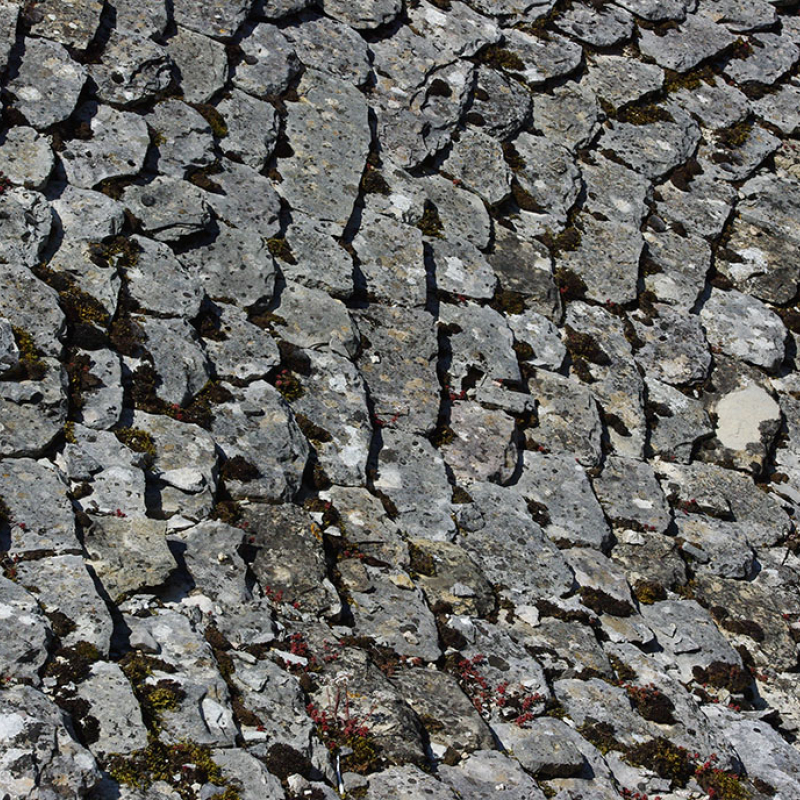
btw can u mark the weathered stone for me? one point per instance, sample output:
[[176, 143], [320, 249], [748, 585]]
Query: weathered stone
[[725, 494], [546, 749], [48, 83], [333, 47], [502, 105], [25, 633], [450, 576], [630, 495], [655, 148], [33, 412], [407, 783], [257, 424], [411, 473], [762, 749], [541, 336], [620, 81], [330, 149], [461, 269], [38, 751], [543, 59], [235, 267], [216, 18], [63, 584], [391, 260], [40, 516], [715, 103], [569, 421], [769, 57], [606, 259], [202, 65], [318, 259], [568, 510], [184, 462], [117, 147], [168, 208], [488, 772], [484, 447], [183, 138], [179, 360], [392, 611], [514, 553], [745, 328], [399, 365], [289, 556], [676, 267], [26, 158], [737, 161], [688, 636], [363, 14], [26, 220], [252, 128], [102, 405], [677, 422], [740, 16], [476, 160], [159, 283], [335, 405], [209, 552], [85, 215], [780, 108], [569, 116], [657, 10], [603, 27], [134, 69], [612, 373], [148, 18], [240, 350], [702, 208], [549, 176], [673, 347], [310, 319], [479, 341], [696, 39], [129, 555], [717, 546]]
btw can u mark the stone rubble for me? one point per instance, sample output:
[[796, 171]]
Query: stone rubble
[[399, 399]]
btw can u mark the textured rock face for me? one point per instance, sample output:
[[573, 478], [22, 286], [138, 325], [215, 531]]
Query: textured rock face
[[399, 399]]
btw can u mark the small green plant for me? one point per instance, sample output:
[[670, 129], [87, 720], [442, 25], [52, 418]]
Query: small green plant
[[430, 223]]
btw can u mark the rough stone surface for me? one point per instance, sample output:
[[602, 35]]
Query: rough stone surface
[[399, 400]]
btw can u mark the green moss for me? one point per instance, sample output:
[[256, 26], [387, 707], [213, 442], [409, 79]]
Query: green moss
[[723, 676], [72, 664], [601, 735], [78, 306], [281, 249], [421, 563], [568, 240], [31, 366], [649, 592], [498, 57], [644, 115], [214, 119], [734, 136], [430, 223], [137, 440], [667, 760], [582, 345], [289, 386], [512, 157], [602, 603], [314, 433], [508, 302], [181, 766], [460, 496], [525, 200], [373, 182], [265, 320], [239, 469], [675, 81], [442, 436]]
